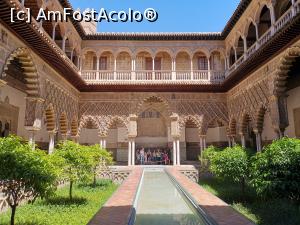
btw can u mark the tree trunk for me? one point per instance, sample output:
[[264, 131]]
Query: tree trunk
[[95, 180], [70, 191], [13, 213], [243, 187]]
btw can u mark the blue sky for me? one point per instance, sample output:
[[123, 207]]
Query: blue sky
[[174, 15]]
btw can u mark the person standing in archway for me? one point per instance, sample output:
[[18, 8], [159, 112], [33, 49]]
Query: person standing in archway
[[142, 156]]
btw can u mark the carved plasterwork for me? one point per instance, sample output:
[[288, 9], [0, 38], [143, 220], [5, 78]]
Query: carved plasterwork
[[198, 108], [63, 102]]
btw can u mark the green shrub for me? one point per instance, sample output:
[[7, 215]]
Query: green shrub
[[101, 158], [232, 164], [75, 163], [275, 171], [25, 174], [210, 152]]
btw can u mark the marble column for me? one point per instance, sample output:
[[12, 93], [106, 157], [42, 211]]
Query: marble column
[[258, 141], [98, 68], [115, 68], [51, 142], [229, 141], [192, 69], [233, 143], [204, 142], [243, 140], [273, 18], [174, 153], [105, 143], [63, 47], [133, 68], [102, 142], [257, 35], [235, 55], [64, 137], [72, 54], [129, 153], [245, 47], [201, 146], [153, 68], [174, 69], [209, 68], [133, 153], [74, 139], [53, 31], [178, 151], [31, 139]]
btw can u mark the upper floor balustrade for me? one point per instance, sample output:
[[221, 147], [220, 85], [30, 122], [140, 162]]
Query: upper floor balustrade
[[204, 76], [271, 19], [161, 67]]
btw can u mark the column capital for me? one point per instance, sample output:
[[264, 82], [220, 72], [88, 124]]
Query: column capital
[[103, 136], [2, 83], [133, 117], [174, 117], [256, 131], [32, 128], [131, 137], [176, 137], [76, 136], [53, 132], [35, 99]]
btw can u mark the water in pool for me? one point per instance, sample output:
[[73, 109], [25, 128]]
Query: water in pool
[[160, 203]]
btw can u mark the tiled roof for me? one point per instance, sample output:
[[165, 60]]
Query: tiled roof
[[163, 36], [154, 36]]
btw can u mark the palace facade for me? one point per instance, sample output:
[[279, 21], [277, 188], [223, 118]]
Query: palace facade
[[182, 91]]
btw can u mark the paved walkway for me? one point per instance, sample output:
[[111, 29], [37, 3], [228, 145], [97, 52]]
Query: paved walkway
[[118, 208], [217, 209]]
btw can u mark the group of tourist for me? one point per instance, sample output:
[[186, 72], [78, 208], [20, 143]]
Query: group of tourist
[[158, 156]]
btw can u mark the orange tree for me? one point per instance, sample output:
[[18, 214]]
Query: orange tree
[[25, 174], [75, 163], [101, 159], [275, 171], [232, 164]]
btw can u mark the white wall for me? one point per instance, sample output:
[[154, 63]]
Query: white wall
[[89, 136], [122, 134], [42, 135], [217, 134], [293, 102]]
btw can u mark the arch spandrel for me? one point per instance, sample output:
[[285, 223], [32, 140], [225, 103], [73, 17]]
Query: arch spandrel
[[30, 73], [282, 70], [143, 104]]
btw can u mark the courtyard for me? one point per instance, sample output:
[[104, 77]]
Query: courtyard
[[158, 128]]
